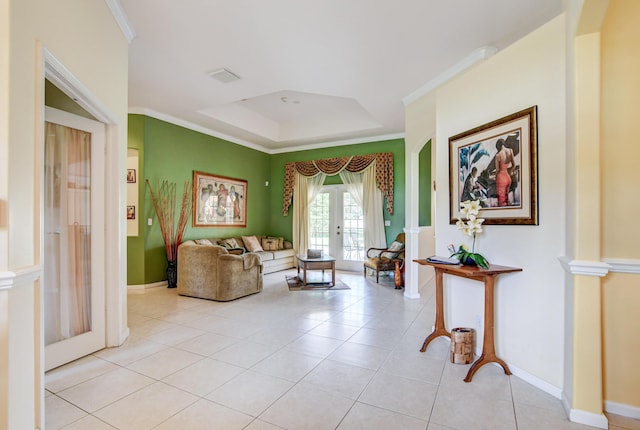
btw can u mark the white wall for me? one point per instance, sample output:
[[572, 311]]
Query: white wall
[[529, 305], [85, 38]]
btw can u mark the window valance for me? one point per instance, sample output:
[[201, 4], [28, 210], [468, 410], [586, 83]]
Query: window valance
[[333, 166]]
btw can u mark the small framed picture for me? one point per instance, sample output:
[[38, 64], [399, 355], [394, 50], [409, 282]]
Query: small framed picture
[[131, 212], [131, 176]]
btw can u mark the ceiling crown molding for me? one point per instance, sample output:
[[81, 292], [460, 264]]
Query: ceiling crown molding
[[121, 19], [475, 57]]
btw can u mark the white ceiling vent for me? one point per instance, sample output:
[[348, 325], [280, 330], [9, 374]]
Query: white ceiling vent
[[224, 75]]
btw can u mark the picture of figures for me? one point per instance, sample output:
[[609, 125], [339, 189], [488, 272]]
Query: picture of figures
[[490, 171], [496, 165], [131, 176], [131, 212], [218, 201]]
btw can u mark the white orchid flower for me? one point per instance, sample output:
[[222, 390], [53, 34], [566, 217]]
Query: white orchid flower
[[470, 225], [473, 207]]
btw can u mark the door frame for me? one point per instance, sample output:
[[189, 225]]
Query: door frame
[[57, 354], [52, 69], [336, 247], [115, 244]]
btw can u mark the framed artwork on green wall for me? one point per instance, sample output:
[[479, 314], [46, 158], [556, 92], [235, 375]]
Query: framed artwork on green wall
[[219, 201]]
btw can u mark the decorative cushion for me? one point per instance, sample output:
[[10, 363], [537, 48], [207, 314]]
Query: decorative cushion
[[203, 242], [280, 241], [229, 243], [396, 247], [270, 244], [252, 244], [388, 254]]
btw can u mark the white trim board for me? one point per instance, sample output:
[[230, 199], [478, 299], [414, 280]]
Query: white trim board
[[121, 18], [136, 110], [27, 275], [623, 265], [600, 268], [622, 409], [143, 288], [584, 417]]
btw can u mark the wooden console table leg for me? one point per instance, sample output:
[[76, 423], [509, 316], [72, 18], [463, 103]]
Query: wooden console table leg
[[488, 343], [439, 329]]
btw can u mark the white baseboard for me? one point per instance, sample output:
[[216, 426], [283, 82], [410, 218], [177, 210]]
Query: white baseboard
[[583, 417], [142, 289], [589, 419], [535, 381], [622, 409]]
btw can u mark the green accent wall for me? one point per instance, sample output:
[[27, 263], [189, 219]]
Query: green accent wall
[[135, 244], [281, 225], [170, 152], [424, 185]]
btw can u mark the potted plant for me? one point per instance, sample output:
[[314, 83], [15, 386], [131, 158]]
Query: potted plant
[[164, 203]]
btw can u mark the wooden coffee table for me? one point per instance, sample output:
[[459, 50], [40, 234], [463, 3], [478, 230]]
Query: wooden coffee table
[[326, 262]]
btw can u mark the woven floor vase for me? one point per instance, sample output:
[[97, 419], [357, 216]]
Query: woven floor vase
[[462, 345]]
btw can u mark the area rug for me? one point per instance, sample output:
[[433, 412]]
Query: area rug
[[295, 284]]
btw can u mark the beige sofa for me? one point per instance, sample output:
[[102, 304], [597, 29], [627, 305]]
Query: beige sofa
[[273, 260], [210, 272]]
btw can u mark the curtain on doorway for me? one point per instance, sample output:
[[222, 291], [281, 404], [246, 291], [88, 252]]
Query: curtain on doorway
[[67, 240], [375, 174]]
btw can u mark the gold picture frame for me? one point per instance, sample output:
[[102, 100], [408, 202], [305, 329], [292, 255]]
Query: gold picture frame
[[219, 201], [496, 164]]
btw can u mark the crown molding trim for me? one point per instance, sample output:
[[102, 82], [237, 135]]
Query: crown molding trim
[[121, 18], [472, 59], [191, 126]]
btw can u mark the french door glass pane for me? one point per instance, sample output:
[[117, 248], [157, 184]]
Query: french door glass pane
[[319, 217], [353, 246]]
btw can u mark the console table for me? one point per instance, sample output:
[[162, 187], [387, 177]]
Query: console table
[[486, 276]]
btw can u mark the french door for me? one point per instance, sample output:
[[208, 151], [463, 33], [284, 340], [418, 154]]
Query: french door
[[336, 225], [73, 259]]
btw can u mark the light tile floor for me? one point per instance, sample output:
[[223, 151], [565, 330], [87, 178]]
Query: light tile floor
[[345, 359]]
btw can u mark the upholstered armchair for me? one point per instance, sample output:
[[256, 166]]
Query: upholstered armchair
[[384, 259], [210, 272]]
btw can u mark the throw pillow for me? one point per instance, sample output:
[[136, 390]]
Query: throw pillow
[[396, 246], [390, 255], [229, 243], [269, 244], [252, 244], [280, 241], [203, 242]]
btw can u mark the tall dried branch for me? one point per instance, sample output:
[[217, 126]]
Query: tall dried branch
[[164, 203]]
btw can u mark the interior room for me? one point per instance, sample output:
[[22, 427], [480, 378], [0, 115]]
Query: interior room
[[292, 207]]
